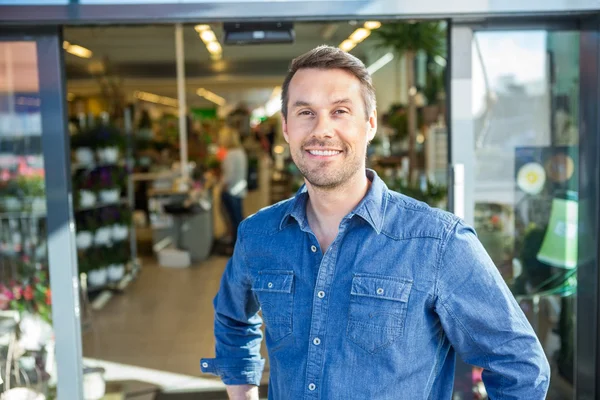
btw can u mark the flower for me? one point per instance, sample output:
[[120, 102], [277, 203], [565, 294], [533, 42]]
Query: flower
[[28, 293], [48, 297], [531, 178]]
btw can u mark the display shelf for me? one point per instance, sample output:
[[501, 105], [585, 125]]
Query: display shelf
[[121, 202]]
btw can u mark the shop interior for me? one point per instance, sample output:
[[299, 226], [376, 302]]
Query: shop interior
[[150, 281], [153, 235]]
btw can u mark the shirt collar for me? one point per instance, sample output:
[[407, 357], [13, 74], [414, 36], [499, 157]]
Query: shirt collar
[[371, 208]]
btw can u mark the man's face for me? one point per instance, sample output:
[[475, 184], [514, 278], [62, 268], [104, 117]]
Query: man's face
[[326, 126]]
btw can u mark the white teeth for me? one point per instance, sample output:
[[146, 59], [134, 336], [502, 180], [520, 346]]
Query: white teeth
[[324, 152]]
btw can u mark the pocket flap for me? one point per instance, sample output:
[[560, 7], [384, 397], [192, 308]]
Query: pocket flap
[[274, 281], [381, 287]]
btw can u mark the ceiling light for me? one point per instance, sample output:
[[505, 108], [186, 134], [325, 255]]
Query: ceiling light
[[202, 28], [77, 50], [279, 149], [210, 96], [208, 36], [372, 25], [154, 98], [380, 63], [347, 45], [359, 35]]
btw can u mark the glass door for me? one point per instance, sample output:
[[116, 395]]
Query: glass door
[[40, 340], [518, 172]]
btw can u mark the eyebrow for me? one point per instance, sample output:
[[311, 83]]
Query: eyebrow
[[302, 103]]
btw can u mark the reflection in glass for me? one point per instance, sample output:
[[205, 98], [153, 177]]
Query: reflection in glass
[[525, 107], [25, 298]]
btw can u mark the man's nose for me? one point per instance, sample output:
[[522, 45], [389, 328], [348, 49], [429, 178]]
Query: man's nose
[[323, 126]]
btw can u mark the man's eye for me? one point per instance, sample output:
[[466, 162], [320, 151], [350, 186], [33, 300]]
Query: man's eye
[[341, 112], [305, 113]]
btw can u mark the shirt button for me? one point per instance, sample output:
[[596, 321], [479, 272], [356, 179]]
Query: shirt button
[[204, 365], [313, 248], [270, 285], [317, 341], [312, 387], [321, 294], [380, 291]]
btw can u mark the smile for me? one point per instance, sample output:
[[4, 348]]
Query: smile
[[324, 153]]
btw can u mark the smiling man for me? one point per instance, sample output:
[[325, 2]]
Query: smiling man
[[365, 293]]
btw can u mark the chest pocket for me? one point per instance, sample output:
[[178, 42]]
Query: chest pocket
[[274, 290], [377, 312]]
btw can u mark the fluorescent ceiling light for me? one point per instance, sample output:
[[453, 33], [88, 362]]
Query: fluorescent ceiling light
[[359, 35], [77, 50], [202, 28], [154, 98], [210, 96], [347, 45], [208, 36], [372, 25], [380, 63]]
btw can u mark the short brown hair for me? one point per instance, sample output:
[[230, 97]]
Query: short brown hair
[[328, 57]]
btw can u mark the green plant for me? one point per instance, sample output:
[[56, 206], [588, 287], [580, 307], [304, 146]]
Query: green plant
[[31, 186], [30, 295], [406, 39], [432, 194]]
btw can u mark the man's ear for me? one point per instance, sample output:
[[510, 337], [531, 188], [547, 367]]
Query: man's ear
[[372, 128], [284, 129]]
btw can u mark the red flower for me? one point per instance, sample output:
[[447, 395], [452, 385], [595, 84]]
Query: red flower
[[28, 293], [495, 219], [48, 297]]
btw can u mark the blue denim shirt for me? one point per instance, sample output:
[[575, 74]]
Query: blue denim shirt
[[381, 315]]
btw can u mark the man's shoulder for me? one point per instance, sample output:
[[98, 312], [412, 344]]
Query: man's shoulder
[[268, 219], [407, 217]]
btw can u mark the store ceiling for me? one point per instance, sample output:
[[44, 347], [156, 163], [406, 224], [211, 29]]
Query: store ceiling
[[143, 58]]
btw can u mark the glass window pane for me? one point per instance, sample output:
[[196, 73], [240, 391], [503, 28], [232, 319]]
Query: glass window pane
[[24, 282], [525, 109]]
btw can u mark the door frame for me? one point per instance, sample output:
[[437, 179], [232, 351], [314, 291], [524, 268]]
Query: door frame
[[461, 156]]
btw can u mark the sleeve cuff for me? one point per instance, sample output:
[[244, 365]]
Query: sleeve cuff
[[234, 371]]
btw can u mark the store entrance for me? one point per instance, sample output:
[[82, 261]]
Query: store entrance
[[154, 229]]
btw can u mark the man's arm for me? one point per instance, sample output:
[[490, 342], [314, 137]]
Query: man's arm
[[242, 392], [484, 323], [237, 329]]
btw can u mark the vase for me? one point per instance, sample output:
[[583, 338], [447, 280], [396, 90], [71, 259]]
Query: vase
[[97, 277], [109, 196], [87, 198], [119, 232], [102, 236], [84, 156], [84, 240], [116, 272]]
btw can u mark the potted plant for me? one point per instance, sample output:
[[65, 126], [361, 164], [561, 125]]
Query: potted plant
[[109, 143], [109, 184], [83, 145], [120, 227], [406, 39], [119, 258], [32, 188], [83, 187], [86, 230], [97, 273]]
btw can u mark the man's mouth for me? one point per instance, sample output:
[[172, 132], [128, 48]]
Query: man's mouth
[[324, 153]]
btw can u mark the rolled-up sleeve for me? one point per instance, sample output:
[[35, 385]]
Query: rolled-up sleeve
[[237, 325], [484, 323]]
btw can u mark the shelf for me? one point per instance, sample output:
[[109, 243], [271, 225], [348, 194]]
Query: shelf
[[102, 205]]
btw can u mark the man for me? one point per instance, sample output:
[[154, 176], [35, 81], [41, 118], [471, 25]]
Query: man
[[365, 293]]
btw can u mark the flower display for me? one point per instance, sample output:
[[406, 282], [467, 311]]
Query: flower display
[[33, 295]]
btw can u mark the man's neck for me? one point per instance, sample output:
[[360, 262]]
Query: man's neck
[[327, 207]]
